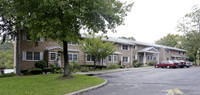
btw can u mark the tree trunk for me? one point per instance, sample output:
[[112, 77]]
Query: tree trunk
[[67, 72], [195, 60], [18, 72]]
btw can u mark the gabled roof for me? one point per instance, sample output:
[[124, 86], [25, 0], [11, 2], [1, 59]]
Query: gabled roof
[[131, 42], [149, 50]]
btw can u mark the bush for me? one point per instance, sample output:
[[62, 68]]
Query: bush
[[35, 71], [24, 72], [152, 64], [119, 66], [113, 67], [7, 75], [40, 64], [138, 65], [92, 66], [74, 67], [2, 66], [46, 69], [84, 69]]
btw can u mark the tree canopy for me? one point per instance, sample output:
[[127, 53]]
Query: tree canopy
[[95, 47], [62, 20], [190, 27], [172, 40], [128, 38]]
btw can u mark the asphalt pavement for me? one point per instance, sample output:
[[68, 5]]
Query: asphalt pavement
[[153, 81]]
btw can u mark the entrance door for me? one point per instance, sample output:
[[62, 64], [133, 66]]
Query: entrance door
[[140, 59], [59, 59]]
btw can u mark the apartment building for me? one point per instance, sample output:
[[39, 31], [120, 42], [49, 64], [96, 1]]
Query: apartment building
[[127, 53]]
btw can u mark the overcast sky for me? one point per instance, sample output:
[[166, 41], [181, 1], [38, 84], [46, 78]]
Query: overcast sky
[[150, 20]]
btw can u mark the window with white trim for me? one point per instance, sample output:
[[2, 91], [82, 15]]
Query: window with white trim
[[148, 57], [32, 56], [151, 58], [27, 38], [167, 58], [134, 47], [179, 52], [110, 58], [125, 47], [73, 57], [167, 50], [53, 56], [72, 43], [115, 58], [125, 59], [89, 58]]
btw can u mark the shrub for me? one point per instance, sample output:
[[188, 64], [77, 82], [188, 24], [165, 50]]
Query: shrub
[[84, 69], [35, 71], [119, 66], [2, 66], [113, 67], [152, 64], [138, 65], [40, 64], [46, 69], [7, 75], [92, 66], [24, 72], [74, 67]]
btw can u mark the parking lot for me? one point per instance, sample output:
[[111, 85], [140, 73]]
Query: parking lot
[[154, 81]]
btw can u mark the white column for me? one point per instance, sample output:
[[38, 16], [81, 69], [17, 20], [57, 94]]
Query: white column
[[144, 59], [158, 58]]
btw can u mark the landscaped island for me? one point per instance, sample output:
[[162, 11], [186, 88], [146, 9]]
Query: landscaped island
[[49, 84]]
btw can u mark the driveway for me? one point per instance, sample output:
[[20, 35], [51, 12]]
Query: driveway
[[155, 81]]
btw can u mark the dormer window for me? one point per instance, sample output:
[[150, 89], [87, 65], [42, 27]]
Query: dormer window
[[167, 50]]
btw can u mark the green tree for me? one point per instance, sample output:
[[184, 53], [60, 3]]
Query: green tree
[[61, 20], [172, 40], [128, 38], [190, 27], [94, 46]]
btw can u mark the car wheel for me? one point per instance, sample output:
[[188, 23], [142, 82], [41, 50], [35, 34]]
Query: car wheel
[[168, 67], [156, 66], [188, 66]]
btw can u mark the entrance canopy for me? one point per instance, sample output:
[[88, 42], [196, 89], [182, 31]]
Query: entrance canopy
[[149, 50]]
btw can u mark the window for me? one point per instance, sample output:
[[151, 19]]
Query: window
[[167, 58], [28, 37], [148, 57], [115, 58], [151, 58], [183, 53], [179, 52], [53, 56], [167, 50], [154, 58], [134, 47], [109, 58], [125, 47], [134, 57], [125, 59], [89, 58], [36, 56], [29, 56], [71, 43], [32, 56], [73, 57]]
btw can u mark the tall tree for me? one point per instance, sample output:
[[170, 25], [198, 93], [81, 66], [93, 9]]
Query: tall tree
[[172, 40], [190, 27], [62, 19], [11, 23], [95, 47]]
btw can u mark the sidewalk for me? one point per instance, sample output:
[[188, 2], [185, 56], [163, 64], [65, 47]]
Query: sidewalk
[[91, 73]]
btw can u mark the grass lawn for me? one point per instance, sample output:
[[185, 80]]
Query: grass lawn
[[45, 84]]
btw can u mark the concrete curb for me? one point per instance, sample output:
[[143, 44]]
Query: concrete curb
[[88, 89]]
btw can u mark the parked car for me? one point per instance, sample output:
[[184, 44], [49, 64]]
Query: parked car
[[188, 64], [181, 63], [166, 64]]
